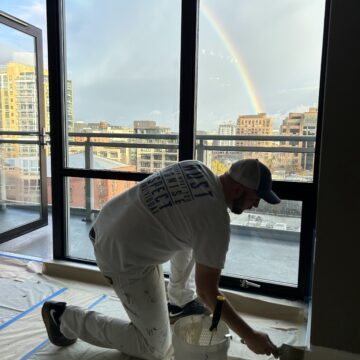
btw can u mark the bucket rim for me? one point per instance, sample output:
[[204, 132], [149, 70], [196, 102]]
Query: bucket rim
[[198, 347]]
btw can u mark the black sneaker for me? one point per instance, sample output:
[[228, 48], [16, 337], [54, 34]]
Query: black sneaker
[[51, 312], [194, 307]]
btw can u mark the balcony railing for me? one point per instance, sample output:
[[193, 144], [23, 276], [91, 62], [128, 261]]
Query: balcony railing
[[201, 142], [204, 143]]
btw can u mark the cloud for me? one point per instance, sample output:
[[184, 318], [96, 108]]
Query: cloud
[[155, 112], [301, 108], [6, 54], [32, 12], [122, 63], [299, 89], [27, 58]]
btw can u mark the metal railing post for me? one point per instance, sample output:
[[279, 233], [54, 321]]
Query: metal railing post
[[89, 198], [200, 150], [2, 187]]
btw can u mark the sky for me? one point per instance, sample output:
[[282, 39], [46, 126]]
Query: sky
[[124, 58]]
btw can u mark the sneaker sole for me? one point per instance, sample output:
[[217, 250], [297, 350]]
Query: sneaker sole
[[173, 319]]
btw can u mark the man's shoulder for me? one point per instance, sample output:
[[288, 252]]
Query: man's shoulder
[[191, 162], [195, 165]]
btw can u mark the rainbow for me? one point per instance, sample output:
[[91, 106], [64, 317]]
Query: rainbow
[[231, 48]]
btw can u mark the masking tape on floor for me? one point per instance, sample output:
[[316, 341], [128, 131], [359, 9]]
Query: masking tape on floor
[[46, 341], [27, 332]]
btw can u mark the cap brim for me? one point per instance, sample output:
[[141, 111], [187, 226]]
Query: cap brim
[[270, 197]]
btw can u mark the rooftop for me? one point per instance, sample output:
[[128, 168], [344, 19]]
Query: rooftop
[[262, 253]]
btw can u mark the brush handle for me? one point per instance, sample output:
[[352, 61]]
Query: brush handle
[[217, 312]]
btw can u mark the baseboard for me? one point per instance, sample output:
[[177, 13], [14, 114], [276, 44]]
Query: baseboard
[[74, 271]]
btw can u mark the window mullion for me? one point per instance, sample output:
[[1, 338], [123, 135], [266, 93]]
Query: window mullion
[[188, 78]]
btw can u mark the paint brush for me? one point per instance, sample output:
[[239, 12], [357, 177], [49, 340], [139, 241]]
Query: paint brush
[[216, 315]]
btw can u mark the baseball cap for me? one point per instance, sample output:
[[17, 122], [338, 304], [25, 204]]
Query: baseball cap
[[256, 176]]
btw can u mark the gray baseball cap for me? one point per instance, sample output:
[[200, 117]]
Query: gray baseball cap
[[256, 176]]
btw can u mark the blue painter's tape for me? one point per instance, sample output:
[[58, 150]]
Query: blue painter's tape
[[34, 350], [41, 345], [99, 300], [21, 257], [21, 315]]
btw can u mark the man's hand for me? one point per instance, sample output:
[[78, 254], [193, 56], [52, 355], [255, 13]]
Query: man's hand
[[260, 343], [207, 280]]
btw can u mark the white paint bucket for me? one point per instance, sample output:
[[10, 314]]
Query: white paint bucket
[[191, 338]]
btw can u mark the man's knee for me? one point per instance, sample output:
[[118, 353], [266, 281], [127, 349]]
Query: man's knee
[[159, 352]]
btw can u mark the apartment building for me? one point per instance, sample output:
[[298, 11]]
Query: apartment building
[[222, 159], [18, 98], [259, 124], [228, 128], [19, 112], [20, 180], [123, 154], [153, 159], [298, 124]]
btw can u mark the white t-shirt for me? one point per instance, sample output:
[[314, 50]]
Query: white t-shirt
[[182, 206]]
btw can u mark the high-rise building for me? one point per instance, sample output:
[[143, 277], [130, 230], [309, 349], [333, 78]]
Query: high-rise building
[[227, 128], [309, 128], [298, 124], [227, 156], [259, 124], [19, 112], [18, 98], [153, 159]]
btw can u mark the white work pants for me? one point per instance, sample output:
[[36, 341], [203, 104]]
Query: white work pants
[[148, 334], [181, 287]]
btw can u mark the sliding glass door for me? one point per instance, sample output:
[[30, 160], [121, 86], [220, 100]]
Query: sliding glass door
[[23, 195]]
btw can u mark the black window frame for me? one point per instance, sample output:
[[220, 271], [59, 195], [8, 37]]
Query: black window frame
[[36, 34], [304, 192]]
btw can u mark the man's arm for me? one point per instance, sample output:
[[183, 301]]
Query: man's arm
[[207, 280]]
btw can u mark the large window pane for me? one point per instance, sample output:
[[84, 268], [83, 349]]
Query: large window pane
[[18, 81], [22, 56], [122, 63], [265, 243], [259, 73], [85, 198], [20, 198], [20, 195]]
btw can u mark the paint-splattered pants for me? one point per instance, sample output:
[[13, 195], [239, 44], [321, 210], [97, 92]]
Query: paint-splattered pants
[[148, 334]]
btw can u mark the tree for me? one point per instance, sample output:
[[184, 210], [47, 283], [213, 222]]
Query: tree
[[218, 167]]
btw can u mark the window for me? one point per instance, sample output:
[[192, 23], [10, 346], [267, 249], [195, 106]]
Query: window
[[85, 198], [251, 102], [121, 89]]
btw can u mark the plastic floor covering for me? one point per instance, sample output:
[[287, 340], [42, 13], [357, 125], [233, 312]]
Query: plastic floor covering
[[24, 288]]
